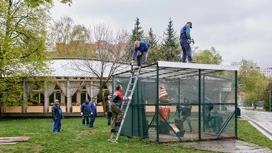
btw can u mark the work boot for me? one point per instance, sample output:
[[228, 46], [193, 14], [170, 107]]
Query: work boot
[[113, 131], [117, 123], [192, 61]]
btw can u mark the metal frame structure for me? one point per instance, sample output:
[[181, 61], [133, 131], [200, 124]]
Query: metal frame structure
[[175, 70]]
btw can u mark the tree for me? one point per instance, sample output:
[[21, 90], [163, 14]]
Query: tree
[[153, 49], [170, 48], [69, 40], [252, 82], [137, 34], [208, 57], [268, 94], [151, 39], [80, 32], [61, 30], [22, 47], [37, 3], [109, 50]]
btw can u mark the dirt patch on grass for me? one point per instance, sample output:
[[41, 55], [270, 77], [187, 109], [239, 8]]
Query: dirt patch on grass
[[87, 132]]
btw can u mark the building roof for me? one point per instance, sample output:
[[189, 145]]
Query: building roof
[[197, 66], [179, 69], [75, 67]]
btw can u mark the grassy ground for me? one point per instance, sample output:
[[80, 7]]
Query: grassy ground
[[75, 139], [248, 133]]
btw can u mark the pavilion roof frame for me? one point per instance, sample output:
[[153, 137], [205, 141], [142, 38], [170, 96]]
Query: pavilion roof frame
[[177, 70]]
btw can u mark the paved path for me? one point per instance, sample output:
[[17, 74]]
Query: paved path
[[260, 120], [230, 146]]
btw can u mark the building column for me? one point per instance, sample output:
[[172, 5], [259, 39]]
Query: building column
[[92, 83], [62, 97], [46, 99], [69, 103], [78, 97], [24, 108]]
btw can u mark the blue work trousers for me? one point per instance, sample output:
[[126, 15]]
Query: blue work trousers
[[187, 52], [57, 125]]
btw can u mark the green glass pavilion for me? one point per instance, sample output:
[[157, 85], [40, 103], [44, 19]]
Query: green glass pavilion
[[211, 91]]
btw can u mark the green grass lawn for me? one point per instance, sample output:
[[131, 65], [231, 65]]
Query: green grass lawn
[[75, 139], [248, 133]]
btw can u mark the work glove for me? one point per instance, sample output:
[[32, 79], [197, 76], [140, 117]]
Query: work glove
[[131, 62], [81, 113], [91, 113], [139, 53], [191, 41]]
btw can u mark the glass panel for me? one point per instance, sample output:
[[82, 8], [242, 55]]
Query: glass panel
[[218, 103], [178, 118]]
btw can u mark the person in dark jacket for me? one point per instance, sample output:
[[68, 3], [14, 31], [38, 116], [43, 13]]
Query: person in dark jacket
[[140, 51], [109, 111], [116, 104], [186, 113], [85, 113], [92, 111], [185, 40], [57, 116]]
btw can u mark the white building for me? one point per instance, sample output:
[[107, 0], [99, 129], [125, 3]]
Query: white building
[[73, 81], [267, 72]]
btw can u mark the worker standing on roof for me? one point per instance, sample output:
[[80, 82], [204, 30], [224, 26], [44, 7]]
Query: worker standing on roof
[[185, 40]]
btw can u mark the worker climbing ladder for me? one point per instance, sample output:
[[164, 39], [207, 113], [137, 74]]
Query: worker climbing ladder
[[129, 93]]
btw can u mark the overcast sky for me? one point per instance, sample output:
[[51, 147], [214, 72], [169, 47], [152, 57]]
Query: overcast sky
[[236, 28]]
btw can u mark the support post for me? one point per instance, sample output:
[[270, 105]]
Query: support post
[[220, 100], [204, 117], [199, 104], [236, 97], [179, 96], [157, 103]]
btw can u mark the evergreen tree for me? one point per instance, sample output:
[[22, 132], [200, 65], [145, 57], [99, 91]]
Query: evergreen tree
[[137, 32], [170, 47], [151, 39], [153, 52]]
